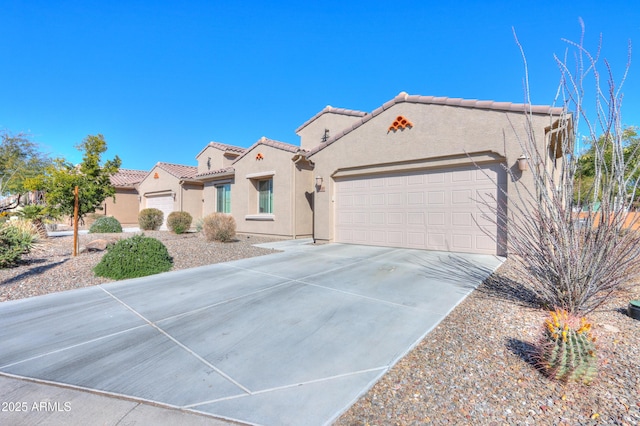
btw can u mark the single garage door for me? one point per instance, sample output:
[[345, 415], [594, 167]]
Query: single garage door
[[163, 203], [435, 210]]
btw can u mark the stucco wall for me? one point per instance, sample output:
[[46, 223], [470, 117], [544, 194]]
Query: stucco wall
[[244, 196], [311, 135], [189, 199], [216, 156], [125, 208], [441, 136], [219, 159]]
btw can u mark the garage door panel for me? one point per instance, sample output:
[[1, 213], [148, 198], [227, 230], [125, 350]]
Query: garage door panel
[[415, 198], [462, 219], [415, 218], [416, 239], [415, 180], [436, 197], [436, 218], [463, 196], [438, 209], [462, 242]]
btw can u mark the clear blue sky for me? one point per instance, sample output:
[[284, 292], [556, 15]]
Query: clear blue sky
[[161, 79]]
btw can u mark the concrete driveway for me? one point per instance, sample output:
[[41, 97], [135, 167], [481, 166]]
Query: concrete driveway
[[290, 338]]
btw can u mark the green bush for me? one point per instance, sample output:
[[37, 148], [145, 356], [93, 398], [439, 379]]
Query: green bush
[[179, 222], [16, 238], [134, 257], [219, 227], [150, 219], [105, 225]]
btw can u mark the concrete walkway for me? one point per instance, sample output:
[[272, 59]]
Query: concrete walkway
[[290, 338]]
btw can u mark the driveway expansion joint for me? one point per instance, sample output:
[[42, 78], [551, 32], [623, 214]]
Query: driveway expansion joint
[[180, 344]]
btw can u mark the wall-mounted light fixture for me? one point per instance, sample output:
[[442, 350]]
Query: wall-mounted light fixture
[[319, 181], [523, 161]]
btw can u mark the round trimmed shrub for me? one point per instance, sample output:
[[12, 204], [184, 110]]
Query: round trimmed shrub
[[179, 222], [134, 257], [105, 225], [150, 219], [219, 227]]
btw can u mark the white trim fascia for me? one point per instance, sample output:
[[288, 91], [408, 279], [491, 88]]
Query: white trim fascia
[[260, 174]]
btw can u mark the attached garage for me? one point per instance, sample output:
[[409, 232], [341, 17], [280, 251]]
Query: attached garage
[[438, 209], [164, 203]]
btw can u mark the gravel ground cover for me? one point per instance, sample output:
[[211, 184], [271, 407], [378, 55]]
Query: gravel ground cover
[[475, 368], [51, 268]]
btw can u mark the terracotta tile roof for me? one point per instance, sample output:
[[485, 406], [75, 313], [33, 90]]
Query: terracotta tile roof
[[433, 100], [178, 170], [213, 173], [223, 147], [329, 108], [275, 144], [128, 177]]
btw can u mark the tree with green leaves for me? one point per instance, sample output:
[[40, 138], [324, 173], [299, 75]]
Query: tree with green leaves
[[91, 176], [20, 160], [597, 166]]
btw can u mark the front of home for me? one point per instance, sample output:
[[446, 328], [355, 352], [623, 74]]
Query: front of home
[[418, 172]]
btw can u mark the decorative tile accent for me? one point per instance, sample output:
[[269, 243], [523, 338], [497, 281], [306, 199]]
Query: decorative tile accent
[[259, 157], [156, 175], [400, 123]]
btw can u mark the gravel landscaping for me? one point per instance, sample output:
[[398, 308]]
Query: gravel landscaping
[[474, 368], [51, 268]]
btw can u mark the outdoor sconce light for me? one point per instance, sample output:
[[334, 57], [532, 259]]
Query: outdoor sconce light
[[522, 163], [319, 181]]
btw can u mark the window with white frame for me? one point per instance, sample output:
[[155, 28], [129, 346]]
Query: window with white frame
[[265, 196], [223, 198]]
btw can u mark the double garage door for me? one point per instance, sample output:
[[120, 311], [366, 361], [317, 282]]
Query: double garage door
[[441, 209]]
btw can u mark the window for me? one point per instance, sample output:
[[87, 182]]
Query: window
[[223, 198], [265, 196]]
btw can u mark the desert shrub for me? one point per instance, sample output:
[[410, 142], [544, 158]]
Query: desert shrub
[[150, 219], [179, 222], [17, 238], [105, 225], [37, 214], [199, 224], [219, 227], [134, 257]]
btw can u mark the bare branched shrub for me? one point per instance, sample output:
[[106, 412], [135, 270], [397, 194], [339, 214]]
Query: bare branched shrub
[[575, 256], [219, 227]]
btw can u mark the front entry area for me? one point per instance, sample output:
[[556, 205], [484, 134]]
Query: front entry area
[[448, 209]]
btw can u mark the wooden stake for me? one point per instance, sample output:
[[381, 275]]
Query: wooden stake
[[75, 222]]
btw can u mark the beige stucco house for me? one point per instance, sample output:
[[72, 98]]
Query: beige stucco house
[[418, 172], [171, 187], [125, 204]]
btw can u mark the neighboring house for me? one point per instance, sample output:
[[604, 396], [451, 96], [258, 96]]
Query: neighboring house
[[409, 174], [171, 187], [126, 205]]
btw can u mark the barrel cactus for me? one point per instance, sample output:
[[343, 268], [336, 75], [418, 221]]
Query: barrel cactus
[[567, 349]]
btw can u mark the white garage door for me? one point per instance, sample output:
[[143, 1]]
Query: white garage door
[[433, 210], [162, 203]]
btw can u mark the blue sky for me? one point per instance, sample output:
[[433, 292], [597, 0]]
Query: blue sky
[[160, 79]]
